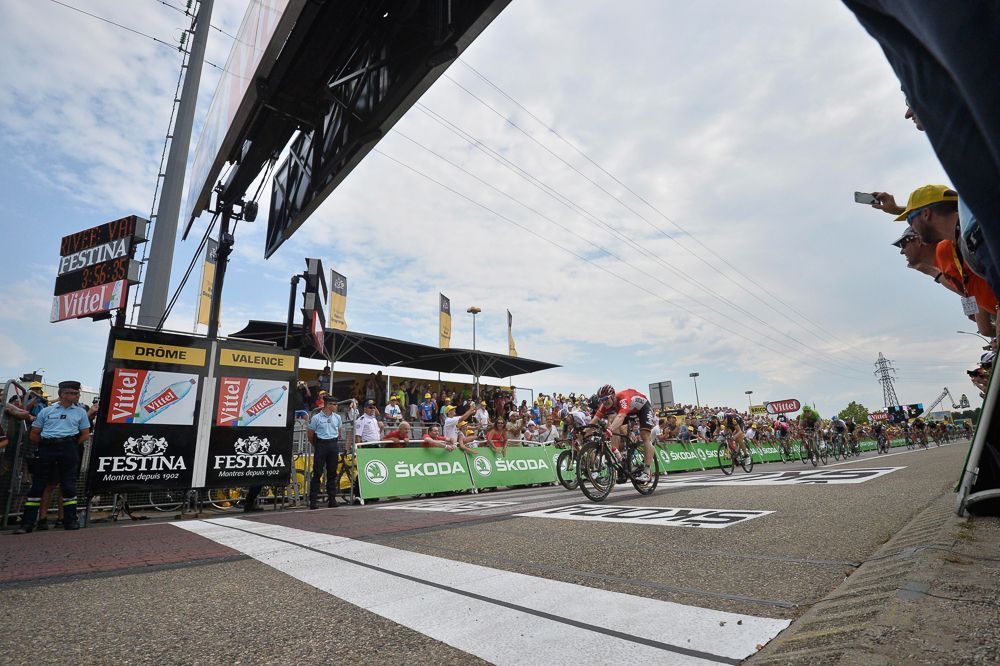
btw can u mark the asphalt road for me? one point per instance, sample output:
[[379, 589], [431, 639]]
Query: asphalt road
[[464, 579]]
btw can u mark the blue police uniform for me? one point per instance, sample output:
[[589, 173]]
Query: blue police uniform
[[58, 456], [325, 455]]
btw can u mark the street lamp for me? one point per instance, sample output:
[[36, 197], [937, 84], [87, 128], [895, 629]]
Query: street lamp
[[975, 334], [473, 310], [694, 376], [749, 403]]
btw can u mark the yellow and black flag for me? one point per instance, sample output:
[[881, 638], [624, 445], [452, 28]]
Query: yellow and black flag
[[338, 301], [207, 280], [444, 327], [511, 349]]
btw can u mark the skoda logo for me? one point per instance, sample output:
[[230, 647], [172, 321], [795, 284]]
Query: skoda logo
[[702, 454], [555, 461], [664, 457], [376, 472], [483, 466]]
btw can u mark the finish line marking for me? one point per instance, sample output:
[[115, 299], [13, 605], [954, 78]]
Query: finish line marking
[[649, 515], [822, 476], [500, 616], [447, 506]]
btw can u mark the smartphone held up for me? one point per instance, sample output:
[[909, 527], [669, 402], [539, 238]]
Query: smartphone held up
[[866, 198]]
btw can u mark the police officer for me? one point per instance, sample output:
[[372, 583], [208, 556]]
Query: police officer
[[58, 431], [324, 433]]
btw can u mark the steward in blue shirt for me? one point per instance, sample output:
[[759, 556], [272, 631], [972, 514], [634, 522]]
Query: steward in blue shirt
[[58, 431], [324, 433]]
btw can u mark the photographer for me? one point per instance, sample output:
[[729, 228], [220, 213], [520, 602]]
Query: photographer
[[981, 376]]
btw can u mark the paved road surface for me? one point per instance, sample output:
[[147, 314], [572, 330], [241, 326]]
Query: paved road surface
[[706, 570]]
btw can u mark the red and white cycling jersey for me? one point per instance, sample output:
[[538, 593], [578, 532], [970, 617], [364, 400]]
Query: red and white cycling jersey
[[628, 401]]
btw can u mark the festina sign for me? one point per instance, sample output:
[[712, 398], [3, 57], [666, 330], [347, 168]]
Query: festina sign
[[88, 302], [783, 406], [114, 249]]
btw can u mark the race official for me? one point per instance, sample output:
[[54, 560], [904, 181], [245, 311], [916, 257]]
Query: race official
[[366, 428], [324, 433], [58, 430]]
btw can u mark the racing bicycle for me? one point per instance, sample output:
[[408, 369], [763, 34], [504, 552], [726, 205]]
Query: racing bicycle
[[600, 465], [729, 454]]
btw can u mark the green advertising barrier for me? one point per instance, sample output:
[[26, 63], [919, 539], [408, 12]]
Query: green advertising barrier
[[698, 455], [416, 471], [524, 465]]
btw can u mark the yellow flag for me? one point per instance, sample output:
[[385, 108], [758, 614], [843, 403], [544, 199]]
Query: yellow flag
[[207, 280], [511, 349], [444, 326], [338, 301]]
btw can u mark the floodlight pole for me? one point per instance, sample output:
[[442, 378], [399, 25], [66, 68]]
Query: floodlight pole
[[156, 276]]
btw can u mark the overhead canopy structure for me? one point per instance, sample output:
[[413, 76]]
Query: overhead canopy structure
[[354, 347]]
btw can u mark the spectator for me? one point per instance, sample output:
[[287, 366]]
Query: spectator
[[434, 439], [548, 433], [367, 428], [428, 409], [393, 412], [482, 415], [399, 437], [451, 433], [496, 436]]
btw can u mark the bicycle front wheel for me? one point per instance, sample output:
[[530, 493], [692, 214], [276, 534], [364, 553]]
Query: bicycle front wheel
[[835, 448], [726, 462], [746, 462], [166, 500], [595, 472], [566, 470], [821, 448]]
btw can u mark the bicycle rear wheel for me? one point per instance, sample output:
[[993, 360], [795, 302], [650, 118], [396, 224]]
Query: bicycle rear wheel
[[166, 500], [566, 470], [726, 462], [637, 458], [595, 471], [836, 447], [803, 452]]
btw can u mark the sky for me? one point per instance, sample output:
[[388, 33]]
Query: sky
[[676, 197]]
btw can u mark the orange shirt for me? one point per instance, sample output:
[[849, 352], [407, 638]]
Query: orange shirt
[[958, 272]]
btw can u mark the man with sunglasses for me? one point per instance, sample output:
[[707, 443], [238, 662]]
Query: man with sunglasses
[[623, 404], [58, 431]]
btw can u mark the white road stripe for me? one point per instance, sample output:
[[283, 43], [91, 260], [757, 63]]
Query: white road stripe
[[884, 455], [500, 616]]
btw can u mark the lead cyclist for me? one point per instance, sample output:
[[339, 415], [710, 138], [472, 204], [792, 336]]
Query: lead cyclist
[[626, 403]]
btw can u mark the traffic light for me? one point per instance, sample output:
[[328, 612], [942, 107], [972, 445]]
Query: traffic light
[[313, 317]]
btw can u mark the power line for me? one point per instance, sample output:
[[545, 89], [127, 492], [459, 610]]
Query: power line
[[117, 25], [602, 248], [640, 198], [187, 12], [592, 219], [581, 257], [133, 30]]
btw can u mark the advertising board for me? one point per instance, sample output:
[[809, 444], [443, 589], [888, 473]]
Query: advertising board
[[783, 406]]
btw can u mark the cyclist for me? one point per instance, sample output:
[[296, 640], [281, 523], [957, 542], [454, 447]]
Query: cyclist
[[781, 434], [919, 431], [852, 436], [628, 403], [878, 431], [732, 424], [967, 430], [808, 420]]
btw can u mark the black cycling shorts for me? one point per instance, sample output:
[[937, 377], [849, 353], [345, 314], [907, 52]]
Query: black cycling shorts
[[646, 417]]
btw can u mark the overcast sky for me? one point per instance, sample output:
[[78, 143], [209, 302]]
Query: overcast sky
[[719, 234]]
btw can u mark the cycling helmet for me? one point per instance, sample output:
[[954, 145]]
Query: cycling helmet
[[606, 391], [720, 415]]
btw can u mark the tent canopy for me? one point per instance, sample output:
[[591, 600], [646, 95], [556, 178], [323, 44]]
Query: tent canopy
[[353, 347]]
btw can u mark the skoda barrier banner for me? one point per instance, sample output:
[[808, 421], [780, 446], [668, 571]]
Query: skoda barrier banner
[[524, 465], [416, 471]]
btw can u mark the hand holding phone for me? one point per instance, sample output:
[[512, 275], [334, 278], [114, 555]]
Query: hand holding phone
[[866, 198]]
